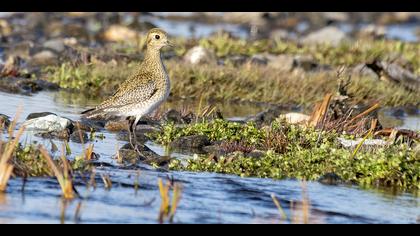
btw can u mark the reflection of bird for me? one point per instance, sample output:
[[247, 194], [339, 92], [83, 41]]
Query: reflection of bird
[[144, 91]]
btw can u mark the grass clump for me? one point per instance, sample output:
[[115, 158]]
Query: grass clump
[[348, 54], [64, 175], [263, 84], [100, 78], [255, 82], [292, 151], [6, 154]]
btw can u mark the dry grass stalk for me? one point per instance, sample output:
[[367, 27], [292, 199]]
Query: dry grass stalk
[[277, 203], [304, 211], [320, 111], [297, 216], [363, 114], [63, 176], [87, 151], [107, 181], [137, 182], [92, 182], [166, 209], [6, 168]]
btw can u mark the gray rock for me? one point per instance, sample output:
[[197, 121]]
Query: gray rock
[[396, 74], [368, 143], [193, 141], [305, 62], [123, 136], [118, 33], [250, 18], [256, 154], [237, 60], [44, 58], [55, 44], [265, 117], [336, 16], [281, 62], [328, 35], [127, 154], [330, 179], [24, 85], [90, 125], [75, 137], [39, 114], [280, 34], [49, 123], [258, 59], [174, 116], [200, 55], [146, 129], [141, 147], [142, 132], [363, 71], [372, 31], [295, 118], [62, 134], [211, 149]]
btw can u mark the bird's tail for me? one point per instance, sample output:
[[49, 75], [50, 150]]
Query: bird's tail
[[93, 113]]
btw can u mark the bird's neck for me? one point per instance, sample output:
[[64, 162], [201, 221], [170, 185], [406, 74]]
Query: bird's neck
[[152, 61]]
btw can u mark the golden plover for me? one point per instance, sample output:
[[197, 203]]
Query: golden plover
[[142, 92]]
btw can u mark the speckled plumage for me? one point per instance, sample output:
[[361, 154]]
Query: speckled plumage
[[145, 90]]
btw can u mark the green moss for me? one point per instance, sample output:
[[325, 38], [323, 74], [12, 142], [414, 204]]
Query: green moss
[[396, 166], [217, 130], [28, 161], [298, 152]]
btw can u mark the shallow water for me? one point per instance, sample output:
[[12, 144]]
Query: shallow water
[[206, 197], [188, 28]]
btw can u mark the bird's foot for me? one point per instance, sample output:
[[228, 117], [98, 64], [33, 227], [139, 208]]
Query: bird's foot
[[136, 148]]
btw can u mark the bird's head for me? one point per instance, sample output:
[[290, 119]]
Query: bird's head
[[157, 39]]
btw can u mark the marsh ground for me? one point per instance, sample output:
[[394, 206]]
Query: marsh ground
[[241, 74]]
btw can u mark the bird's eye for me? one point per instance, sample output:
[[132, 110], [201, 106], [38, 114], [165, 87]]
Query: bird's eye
[[157, 37]]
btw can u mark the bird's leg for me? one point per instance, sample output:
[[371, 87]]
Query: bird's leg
[[131, 132], [135, 136]]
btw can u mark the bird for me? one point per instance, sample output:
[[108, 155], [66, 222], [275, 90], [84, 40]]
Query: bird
[[143, 91]]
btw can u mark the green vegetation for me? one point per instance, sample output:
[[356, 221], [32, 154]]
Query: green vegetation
[[292, 151], [246, 83], [99, 77], [28, 161], [347, 54], [257, 83], [253, 82]]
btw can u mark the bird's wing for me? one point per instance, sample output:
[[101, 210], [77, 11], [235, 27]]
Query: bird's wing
[[139, 88]]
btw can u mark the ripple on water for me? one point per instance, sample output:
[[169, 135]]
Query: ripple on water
[[206, 197]]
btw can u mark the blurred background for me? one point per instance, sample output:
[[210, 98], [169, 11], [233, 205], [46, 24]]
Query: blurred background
[[284, 25], [81, 51]]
